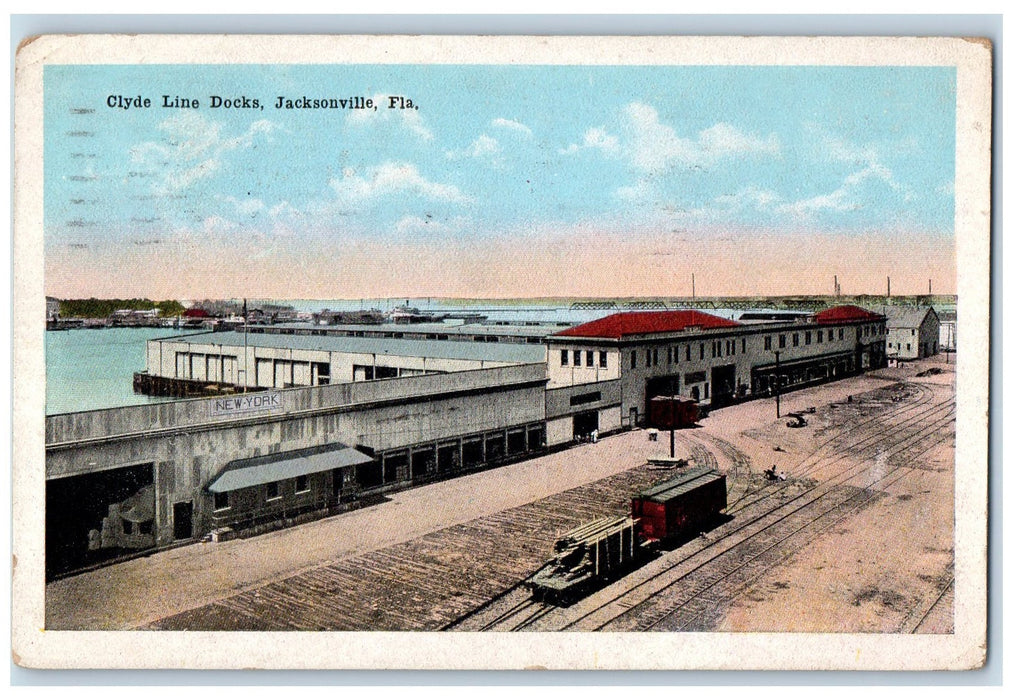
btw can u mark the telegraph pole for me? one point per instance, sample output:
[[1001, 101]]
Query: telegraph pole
[[246, 347], [777, 380]]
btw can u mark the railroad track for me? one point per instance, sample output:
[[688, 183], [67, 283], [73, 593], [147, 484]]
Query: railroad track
[[836, 451], [823, 491], [924, 397], [732, 582], [801, 523]]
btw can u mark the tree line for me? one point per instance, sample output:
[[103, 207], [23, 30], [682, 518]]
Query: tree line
[[101, 308]]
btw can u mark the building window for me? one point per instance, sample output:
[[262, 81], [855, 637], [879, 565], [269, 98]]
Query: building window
[[819, 336], [782, 340], [670, 356], [912, 331], [743, 345], [647, 358], [840, 334], [564, 357], [766, 342], [222, 500], [590, 358], [688, 354], [909, 346], [633, 359], [701, 350], [302, 484], [655, 356], [808, 337], [272, 491], [794, 339], [603, 360], [576, 358]]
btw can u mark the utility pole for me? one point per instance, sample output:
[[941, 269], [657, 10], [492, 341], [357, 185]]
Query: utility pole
[[777, 380], [246, 347], [693, 277], [887, 287]]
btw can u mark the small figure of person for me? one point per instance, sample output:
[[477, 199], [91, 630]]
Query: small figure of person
[[594, 435]]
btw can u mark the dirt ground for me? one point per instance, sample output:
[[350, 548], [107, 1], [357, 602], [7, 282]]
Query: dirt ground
[[887, 567]]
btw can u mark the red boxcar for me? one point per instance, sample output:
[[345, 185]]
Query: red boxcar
[[677, 507], [672, 412]]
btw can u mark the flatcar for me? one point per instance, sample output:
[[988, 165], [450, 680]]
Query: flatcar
[[585, 557], [605, 549]]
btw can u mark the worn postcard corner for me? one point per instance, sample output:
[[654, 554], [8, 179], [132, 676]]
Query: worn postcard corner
[[501, 352]]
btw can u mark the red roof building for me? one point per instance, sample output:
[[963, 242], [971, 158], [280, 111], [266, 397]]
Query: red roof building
[[635, 323], [846, 314]]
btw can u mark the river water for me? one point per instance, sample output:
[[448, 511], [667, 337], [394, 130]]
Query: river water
[[88, 369]]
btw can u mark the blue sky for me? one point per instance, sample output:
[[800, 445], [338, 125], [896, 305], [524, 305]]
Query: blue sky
[[505, 157]]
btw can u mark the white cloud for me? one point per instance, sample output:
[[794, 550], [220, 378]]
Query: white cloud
[[484, 147], [413, 122], [655, 147], [639, 192], [512, 125], [652, 147], [750, 197], [859, 188], [723, 139], [192, 150], [218, 224], [390, 178], [596, 138], [408, 118], [246, 207]]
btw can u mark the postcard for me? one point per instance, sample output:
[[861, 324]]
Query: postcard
[[448, 352]]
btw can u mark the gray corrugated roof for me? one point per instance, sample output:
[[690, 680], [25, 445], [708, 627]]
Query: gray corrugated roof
[[440, 328], [243, 473], [905, 316], [437, 349], [680, 485]]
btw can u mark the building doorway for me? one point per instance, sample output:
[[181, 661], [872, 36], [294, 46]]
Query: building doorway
[[584, 423], [723, 383], [182, 520]]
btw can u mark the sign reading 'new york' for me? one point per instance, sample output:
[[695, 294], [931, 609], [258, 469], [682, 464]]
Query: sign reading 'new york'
[[253, 403]]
